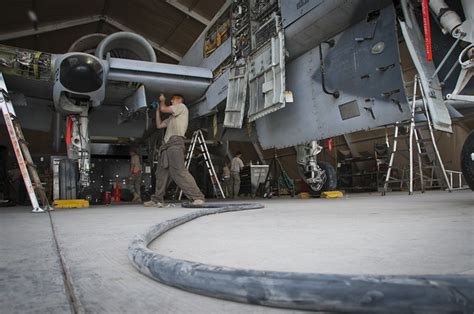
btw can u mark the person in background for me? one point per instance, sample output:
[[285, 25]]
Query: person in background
[[227, 180], [171, 158], [236, 166], [135, 178]]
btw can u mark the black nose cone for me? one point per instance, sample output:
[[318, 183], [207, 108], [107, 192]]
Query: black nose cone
[[81, 74]]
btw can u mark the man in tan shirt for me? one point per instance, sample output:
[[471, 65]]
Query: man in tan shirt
[[236, 165], [171, 159], [135, 175]]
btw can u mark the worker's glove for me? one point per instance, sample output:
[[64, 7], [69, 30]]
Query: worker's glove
[[154, 105]]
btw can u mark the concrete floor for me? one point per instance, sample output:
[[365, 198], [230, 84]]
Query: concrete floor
[[423, 234]]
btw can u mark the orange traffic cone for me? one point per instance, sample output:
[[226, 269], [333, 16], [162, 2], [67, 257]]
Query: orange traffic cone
[[116, 193]]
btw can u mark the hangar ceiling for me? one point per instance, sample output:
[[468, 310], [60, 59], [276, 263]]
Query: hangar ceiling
[[171, 26]]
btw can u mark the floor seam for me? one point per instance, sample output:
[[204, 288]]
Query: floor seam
[[74, 302]]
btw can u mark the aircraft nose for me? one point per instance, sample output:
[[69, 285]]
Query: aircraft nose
[[81, 73]]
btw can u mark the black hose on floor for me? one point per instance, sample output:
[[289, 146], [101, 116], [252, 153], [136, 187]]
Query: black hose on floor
[[305, 291]]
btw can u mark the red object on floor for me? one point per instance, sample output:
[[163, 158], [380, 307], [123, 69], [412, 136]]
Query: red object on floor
[[116, 193], [106, 197], [330, 145], [427, 28]]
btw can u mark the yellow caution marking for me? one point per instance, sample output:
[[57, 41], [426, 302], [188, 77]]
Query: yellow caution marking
[[331, 194], [71, 203]]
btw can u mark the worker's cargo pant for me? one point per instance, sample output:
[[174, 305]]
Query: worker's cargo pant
[[235, 181], [227, 185], [172, 165], [135, 181]]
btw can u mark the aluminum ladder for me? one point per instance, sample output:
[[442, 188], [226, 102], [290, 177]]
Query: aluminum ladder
[[198, 138], [22, 153], [428, 156]]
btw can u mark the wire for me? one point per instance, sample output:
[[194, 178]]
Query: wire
[[335, 94]]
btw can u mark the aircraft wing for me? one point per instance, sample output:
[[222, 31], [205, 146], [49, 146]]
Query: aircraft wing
[[130, 85]]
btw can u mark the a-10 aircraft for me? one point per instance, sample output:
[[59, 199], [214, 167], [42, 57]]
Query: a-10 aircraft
[[297, 71]]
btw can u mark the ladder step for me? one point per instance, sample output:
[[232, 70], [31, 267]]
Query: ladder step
[[5, 94], [421, 126], [31, 165], [402, 136], [15, 119], [22, 141], [425, 140]]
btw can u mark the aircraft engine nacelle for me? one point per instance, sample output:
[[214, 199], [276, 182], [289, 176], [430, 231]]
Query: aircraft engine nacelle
[[79, 80], [125, 45]]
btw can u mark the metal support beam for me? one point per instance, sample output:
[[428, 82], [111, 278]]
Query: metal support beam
[[352, 149], [155, 45], [50, 28], [350, 143], [188, 11], [259, 152], [83, 21], [227, 150]]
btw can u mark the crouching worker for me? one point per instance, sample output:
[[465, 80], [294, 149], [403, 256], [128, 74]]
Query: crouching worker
[[171, 154], [135, 178]]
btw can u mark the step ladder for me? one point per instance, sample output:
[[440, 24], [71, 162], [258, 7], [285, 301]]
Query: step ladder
[[22, 153], [198, 138], [428, 156]]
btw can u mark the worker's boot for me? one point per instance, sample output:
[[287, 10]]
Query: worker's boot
[[152, 203], [136, 198], [198, 202]]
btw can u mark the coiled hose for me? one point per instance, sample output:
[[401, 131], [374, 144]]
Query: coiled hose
[[306, 291]]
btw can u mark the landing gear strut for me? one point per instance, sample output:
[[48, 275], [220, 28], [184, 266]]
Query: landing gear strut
[[320, 176]]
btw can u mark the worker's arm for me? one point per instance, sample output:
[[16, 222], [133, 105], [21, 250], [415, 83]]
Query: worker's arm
[[166, 109], [160, 124], [163, 107]]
